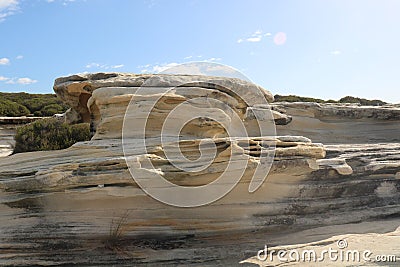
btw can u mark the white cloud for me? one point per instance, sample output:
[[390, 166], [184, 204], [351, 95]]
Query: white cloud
[[7, 8], [63, 2], [103, 66], [93, 65], [161, 68], [150, 3], [177, 67], [213, 59], [4, 60], [192, 57], [24, 80], [20, 57], [336, 52], [117, 66], [156, 68], [254, 37], [2, 79], [195, 68]]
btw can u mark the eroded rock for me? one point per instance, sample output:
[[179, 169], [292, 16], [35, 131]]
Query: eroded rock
[[341, 123], [69, 200]]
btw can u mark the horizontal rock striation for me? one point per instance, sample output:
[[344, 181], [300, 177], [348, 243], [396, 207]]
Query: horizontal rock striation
[[81, 205], [341, 123]]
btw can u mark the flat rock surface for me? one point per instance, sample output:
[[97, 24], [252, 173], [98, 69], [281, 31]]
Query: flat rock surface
[[341, 123]]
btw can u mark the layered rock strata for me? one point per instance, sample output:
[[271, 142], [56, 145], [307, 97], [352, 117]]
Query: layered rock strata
[[341, 123], [82, 206]]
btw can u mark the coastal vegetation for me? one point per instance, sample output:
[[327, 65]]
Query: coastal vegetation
[[49, 134], [24, 104], [346, 99]]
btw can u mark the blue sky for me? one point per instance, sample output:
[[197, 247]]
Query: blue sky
[[326, 49]]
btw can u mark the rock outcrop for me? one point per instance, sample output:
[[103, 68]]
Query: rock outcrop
[[7, 142], [82, 206], [341, 123]]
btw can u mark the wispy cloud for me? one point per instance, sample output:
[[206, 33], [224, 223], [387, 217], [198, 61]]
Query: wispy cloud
[[336, 52], [156, 68], [19, 57], [4, 60], [95, 65], [255, 37], [150, 3], [63, 2], [207, 68], [117, 66], [66, 2], [23, 80], [193, 57], [8, 8], [149, 68], [213, 59]]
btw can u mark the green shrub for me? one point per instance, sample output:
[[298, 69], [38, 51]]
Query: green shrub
[[346, 99], [9, 108], [295, 98], [49, 110], [37, 104], [362, 101], [49, 134]]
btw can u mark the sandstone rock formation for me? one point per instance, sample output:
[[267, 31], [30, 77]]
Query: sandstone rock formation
[[341, 123], [65, 207], [7, 142]]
